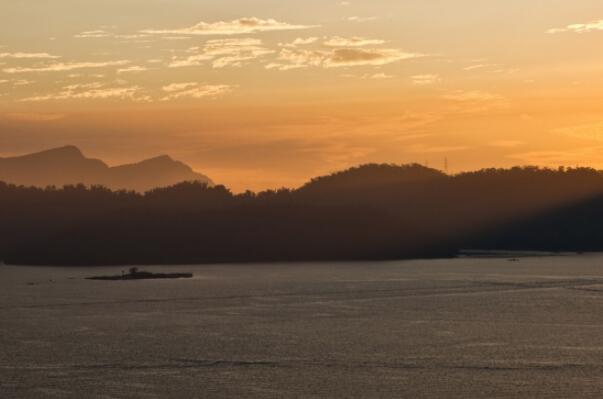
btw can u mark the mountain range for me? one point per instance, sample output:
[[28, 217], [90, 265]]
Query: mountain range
[[68, 165]]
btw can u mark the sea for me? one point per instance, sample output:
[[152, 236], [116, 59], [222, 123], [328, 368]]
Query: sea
[[473, 327]]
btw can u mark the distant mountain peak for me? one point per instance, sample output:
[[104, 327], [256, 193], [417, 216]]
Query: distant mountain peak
[[68, 165], [160, 159], [67, 151]]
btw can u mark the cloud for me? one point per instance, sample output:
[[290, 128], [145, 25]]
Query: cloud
[[194, 90], [478, 66], [235, 27], [284, 67], [356, 57], [579, 28], [89, 92], [22, 82], [97, 34], [33, 117], [423, 80], [475, 101], [337, 41], [20, 55], [79, 86], [132, 69], [191, 60], [176, 37], [300, 41], [380, 76], [338, 57], [92, 34], [179, 86], [361, 19], [99, 90], [297, 58], [223, 53], [69, 66], [374, 76]]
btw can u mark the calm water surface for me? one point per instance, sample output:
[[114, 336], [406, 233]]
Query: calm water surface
[[463, 328]]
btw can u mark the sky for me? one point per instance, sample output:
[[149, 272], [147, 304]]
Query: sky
[[270, 93]]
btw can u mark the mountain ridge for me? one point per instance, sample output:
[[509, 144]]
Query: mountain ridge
[[67, 165]]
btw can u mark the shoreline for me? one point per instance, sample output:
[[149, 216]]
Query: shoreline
[[462, 254]]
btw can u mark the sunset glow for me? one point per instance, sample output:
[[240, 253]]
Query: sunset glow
[[265, 94]]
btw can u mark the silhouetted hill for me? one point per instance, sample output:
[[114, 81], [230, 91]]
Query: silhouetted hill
[[368, 212], [370, 176], [67, 165]]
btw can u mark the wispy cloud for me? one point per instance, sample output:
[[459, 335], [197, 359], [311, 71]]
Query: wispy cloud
[[33, 117], [339, 57], [97, 34], [119, 91], [132, 69], [92, 34], [223, 53], [284, 67], [475, 101], [356, 57], [297, 58], [89, 92], [423, 80], [373, 76], [235, 27], [20, 55], [338, 41], [579, 28], [194, 90], [300, 41], [65, 66], [478, 66], [22, 82], [173, 87], [380, 76], [361, 19]]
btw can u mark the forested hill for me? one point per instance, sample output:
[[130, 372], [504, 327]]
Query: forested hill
[[368, 212]]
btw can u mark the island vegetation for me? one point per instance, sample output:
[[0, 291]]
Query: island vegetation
[[135, 274]]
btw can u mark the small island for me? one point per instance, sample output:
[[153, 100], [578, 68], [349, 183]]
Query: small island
[[135, 274]]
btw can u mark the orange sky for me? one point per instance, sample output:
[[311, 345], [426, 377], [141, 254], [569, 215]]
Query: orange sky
[[261, 94]]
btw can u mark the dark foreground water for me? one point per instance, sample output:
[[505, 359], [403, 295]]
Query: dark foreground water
[[465, 328]]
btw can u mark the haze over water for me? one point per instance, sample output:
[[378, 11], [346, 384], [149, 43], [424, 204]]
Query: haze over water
[[455, 328]]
